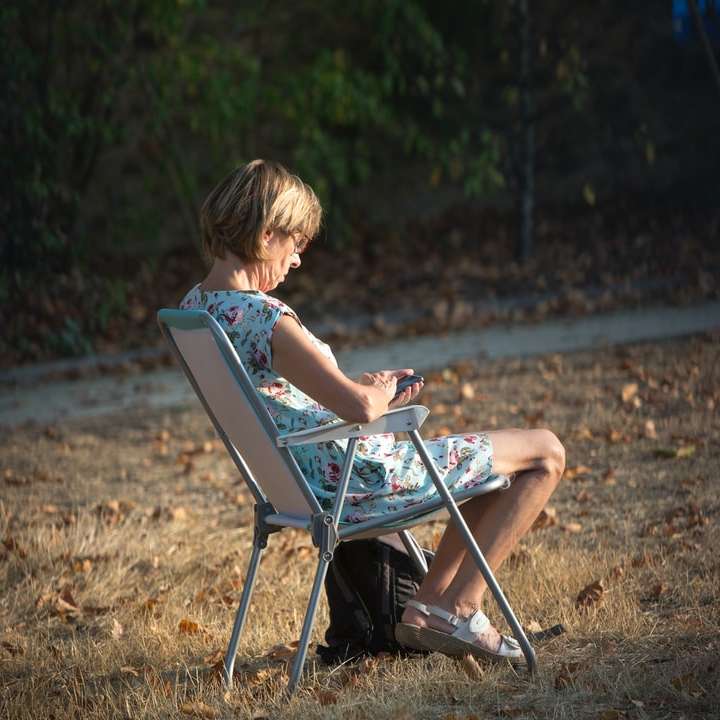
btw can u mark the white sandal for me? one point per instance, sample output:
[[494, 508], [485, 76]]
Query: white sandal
[[458, 643]]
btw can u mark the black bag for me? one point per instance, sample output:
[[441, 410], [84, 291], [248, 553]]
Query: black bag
[[367, 585]]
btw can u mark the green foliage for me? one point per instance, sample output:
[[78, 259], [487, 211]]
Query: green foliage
[[119, 115]]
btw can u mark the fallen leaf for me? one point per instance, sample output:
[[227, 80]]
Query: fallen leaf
[[628, 392], [471, 667], [649, 430], [591, 595], [117, 630], [199, 709], [584, 433], [467, 392], [83, 566], [177, 513], [65, 603], [657, 590], [327, 697], [576, 471], [671, 452], [282, 651], [571, 527], [566, 675], [188, 627], [546, 518]]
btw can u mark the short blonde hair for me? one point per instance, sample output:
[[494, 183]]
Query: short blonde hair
[[259, 196]]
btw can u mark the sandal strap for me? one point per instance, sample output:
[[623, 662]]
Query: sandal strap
[[434, 610]]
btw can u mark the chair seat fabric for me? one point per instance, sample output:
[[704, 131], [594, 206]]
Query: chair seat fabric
[[388, 475]]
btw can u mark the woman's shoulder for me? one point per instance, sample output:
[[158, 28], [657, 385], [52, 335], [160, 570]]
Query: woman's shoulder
[[234, 302]]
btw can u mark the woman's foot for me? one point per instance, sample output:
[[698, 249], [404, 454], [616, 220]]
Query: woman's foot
[[488, 639]]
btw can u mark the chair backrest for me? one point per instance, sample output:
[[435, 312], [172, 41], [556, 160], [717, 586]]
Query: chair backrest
[[241, 419]]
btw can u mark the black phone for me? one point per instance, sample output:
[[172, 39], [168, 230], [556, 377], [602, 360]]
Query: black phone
[[405, 382]]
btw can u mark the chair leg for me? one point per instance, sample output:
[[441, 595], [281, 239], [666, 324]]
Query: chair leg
[[414, 551], [229, 662], [307, 627], [477, 555]]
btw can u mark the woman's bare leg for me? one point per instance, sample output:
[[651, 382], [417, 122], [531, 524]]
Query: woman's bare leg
[[497, 521]]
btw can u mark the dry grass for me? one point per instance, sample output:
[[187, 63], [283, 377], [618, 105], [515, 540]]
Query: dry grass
[[125, 542]]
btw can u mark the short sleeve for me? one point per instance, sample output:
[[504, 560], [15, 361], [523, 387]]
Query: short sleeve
[[260, 319]]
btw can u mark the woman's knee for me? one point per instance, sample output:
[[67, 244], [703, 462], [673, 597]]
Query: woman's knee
[[553, 454]]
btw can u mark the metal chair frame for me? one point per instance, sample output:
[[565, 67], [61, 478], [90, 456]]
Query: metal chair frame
[[324, 527]]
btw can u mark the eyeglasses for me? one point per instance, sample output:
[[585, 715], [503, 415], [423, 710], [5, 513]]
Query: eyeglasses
[[301, 242]]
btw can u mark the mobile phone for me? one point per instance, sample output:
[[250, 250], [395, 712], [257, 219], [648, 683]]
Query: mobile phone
[[405, 382]]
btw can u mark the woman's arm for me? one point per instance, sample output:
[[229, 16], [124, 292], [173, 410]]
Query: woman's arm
[[296, 358]]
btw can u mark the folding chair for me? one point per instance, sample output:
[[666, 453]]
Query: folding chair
[[283, 497]]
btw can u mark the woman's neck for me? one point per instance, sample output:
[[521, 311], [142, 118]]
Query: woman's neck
[[230, 273]]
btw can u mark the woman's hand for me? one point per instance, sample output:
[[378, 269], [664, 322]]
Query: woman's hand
[[409, 393], [386, 380]]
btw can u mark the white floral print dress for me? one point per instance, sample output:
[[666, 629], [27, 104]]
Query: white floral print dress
[[387, 475]]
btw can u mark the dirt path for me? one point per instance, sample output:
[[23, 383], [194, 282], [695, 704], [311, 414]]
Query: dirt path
[[31, 399]]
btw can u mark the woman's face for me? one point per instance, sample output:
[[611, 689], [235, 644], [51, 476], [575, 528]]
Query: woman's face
[[283, 254]]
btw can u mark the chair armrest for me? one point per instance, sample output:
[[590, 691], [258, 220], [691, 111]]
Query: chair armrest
[[403, 419]]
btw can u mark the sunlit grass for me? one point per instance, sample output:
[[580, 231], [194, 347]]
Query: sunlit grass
[[125, 549]]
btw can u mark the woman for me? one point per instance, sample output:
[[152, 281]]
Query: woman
[[255, 226]]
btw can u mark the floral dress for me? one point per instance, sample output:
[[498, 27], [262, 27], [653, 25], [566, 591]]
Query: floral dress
[[387, 475]]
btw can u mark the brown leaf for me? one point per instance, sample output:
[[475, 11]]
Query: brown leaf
[[177, 513], [591, 595], [571, 527], [547, 518], [583, 496], [576, 471], [649, 430], [214, 657], [282, 651], [82, 565], [199, 709], [327, 697], [65, 602], [467, 391], [471, 667], [117, 630], [614, 436], [188, 627], [566, 675], [584, 433], [657, 590], [628, 392], [670, 452]]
